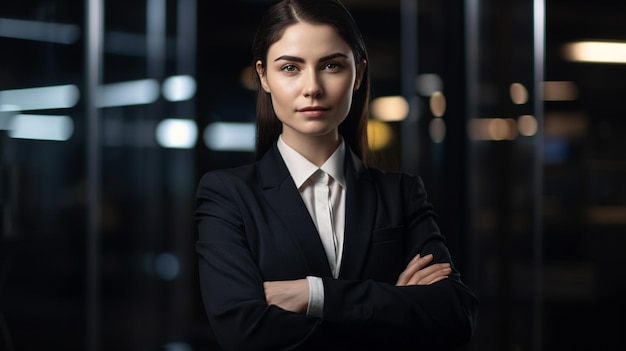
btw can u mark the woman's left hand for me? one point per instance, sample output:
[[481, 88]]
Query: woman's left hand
[[420, 272]]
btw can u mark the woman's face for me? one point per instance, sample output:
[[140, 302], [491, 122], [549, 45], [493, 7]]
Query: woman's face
[[310, 75]]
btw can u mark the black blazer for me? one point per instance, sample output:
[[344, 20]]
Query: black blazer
[[254, 227]]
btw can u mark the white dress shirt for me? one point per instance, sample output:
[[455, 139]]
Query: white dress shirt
[[303, 173]]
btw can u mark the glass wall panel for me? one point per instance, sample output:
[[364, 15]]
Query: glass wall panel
[[42, 160], [584, 167], [504, 62], [126, 281], [148, 137]]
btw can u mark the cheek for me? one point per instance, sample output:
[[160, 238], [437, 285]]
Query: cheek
[[282, 89], [282, 100], [344, 92], [279, 99]]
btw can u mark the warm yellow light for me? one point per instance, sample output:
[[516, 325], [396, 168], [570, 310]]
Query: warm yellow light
[[390, 108], [596, 51], [519, 93], [496, 129], [527, 125], [379, 134], [559, 91], [437, 130], [438, 104]]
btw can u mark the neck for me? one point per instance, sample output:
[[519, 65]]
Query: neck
[[316, 149]]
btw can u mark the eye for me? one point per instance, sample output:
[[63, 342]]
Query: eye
[[332, 66], [289, 68]]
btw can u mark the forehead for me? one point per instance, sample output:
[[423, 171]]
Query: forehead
[[309, 40]]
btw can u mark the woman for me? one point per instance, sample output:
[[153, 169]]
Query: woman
[[307, 248]]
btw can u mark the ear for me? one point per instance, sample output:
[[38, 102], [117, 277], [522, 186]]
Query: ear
[[262, 76], [360, 73]]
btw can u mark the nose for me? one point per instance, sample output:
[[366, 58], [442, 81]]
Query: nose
[[312, 86]]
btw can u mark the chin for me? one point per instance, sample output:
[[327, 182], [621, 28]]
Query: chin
[[320, 132]]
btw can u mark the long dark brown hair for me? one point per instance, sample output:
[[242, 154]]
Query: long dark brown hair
[[273, 24]]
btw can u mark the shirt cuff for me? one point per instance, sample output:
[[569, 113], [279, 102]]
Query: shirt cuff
[[316, 297]]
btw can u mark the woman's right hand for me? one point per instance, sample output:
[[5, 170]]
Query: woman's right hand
[[419, 272]]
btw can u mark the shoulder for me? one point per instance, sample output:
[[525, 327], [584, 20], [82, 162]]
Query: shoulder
[[379, 176], [244, 171], [269, 171], [393, 178], [395, 185], [398, 188], [228, 177]]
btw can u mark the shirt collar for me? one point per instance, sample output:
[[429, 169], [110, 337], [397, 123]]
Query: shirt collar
[[302, 169]]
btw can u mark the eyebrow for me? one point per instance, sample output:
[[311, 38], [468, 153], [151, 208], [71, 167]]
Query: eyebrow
[[299, 59]]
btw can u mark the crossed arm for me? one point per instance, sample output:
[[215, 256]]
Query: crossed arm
[[245, 310], [293, 295]]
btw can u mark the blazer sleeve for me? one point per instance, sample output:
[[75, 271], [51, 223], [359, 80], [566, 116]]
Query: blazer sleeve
[[442, 315], [230, 281]]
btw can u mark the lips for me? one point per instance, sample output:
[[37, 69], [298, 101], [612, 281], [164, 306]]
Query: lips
[[313, 111]]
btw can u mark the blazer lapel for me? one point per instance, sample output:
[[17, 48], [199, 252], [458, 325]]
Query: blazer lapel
[[360, 212], [283, 196]]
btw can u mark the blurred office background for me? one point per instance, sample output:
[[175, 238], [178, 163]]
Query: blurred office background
[[512, 111]]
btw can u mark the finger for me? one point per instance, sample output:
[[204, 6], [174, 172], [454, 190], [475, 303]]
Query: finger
[[408, 272], [437, 276], [425, 272], [413, 267], [437, 280], [430, 274]]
